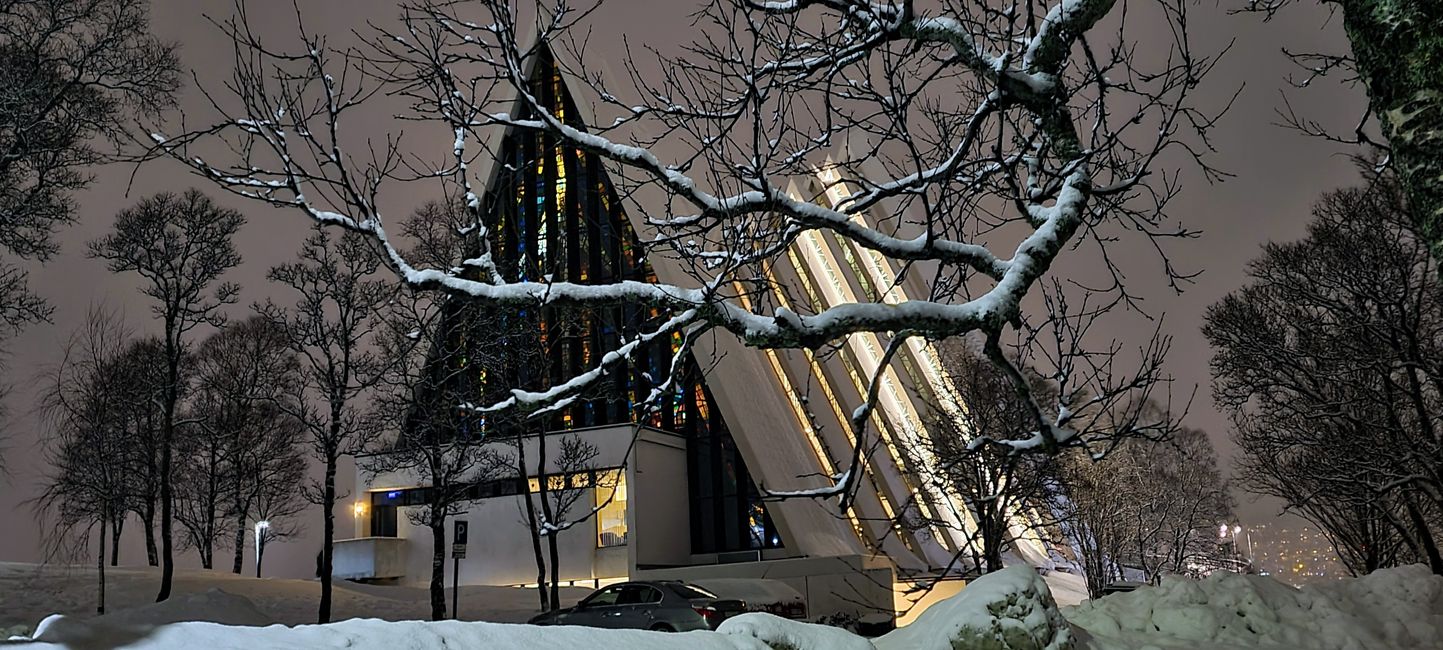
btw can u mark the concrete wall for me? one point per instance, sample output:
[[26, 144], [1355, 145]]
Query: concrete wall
[[658, 505], [499, 549], [369, 558]]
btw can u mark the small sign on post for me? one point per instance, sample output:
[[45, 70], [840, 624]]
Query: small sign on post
[[458, 541], [458, 553]]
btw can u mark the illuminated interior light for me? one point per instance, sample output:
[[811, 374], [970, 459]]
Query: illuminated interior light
[[881, 276], [864, 346]]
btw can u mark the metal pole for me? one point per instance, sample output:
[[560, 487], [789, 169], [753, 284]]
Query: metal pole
[[455, 586]]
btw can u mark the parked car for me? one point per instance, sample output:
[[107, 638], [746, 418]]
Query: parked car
[[661, 605], [760, 595], [1121, 587]]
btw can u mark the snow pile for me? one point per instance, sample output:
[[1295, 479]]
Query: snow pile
[[1391, 608], [420, 635], [213, 605], [785, 634], [1011, 609]]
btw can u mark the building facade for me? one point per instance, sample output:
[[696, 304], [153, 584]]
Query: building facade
[[675, 487]]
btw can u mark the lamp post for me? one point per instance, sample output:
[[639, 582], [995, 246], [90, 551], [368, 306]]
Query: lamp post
[[263, 528]]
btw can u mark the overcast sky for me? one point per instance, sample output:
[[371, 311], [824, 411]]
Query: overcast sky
[[1279, 173]]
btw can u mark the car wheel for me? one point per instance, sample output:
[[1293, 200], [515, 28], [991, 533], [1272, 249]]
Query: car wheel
[[661, 627]]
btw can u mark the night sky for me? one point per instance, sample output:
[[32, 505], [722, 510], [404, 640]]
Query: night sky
[[1279, 173]]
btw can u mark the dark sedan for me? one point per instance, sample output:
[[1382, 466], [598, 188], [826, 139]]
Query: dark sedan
[[663, 605]]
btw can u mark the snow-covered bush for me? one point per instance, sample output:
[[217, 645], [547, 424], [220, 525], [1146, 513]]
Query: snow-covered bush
[[1390, 608], [785, 634], [1011, 609]]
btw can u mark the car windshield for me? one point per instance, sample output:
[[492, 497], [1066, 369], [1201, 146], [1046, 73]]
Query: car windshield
[[606, 596], [691, 591]]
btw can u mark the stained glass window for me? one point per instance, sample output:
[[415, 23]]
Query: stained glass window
[[557, 213]]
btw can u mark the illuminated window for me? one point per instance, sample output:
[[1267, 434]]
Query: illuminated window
[[611, 509]]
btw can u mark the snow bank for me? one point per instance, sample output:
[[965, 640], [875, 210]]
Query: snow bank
[[212, 606], [780, 633], [1011, 609], [395, 635], [1391, 608]]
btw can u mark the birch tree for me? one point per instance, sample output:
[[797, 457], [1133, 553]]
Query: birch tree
[[970, 144]]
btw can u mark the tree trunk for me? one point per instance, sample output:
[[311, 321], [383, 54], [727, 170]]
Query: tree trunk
[[148, 521], [100, 564], [167, 434], [543, 481], [1398, 47], [167, 543], [531, 526], [240, 539], [438, 566], [555, 571], [1425, 537], [328, 535], [116, 527]]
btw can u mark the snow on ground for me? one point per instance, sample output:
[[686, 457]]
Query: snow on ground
[[1391, 608], [1013, 609], [29, 593]]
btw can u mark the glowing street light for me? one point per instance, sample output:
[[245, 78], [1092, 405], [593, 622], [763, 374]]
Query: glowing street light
[[263, 528]]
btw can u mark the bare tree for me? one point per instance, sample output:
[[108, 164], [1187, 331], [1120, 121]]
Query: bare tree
[[1149, 508], [247, 379], [432, 443], [427, 377], [549, 507], [75, 73], [997, 486], [277, 503], [1329, 363], [139, 384], [1394, 54], [180, 245], [969, 143], [86, 484], [332, 327]]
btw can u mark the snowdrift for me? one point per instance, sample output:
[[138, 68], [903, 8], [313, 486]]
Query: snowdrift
[[1391, 608], [1009, 610]]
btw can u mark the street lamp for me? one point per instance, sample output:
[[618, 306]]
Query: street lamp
[[263, 528]]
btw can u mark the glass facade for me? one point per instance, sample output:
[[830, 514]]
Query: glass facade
[[553, 213]]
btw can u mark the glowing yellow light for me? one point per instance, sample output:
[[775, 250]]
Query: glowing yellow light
[[358, 508]]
